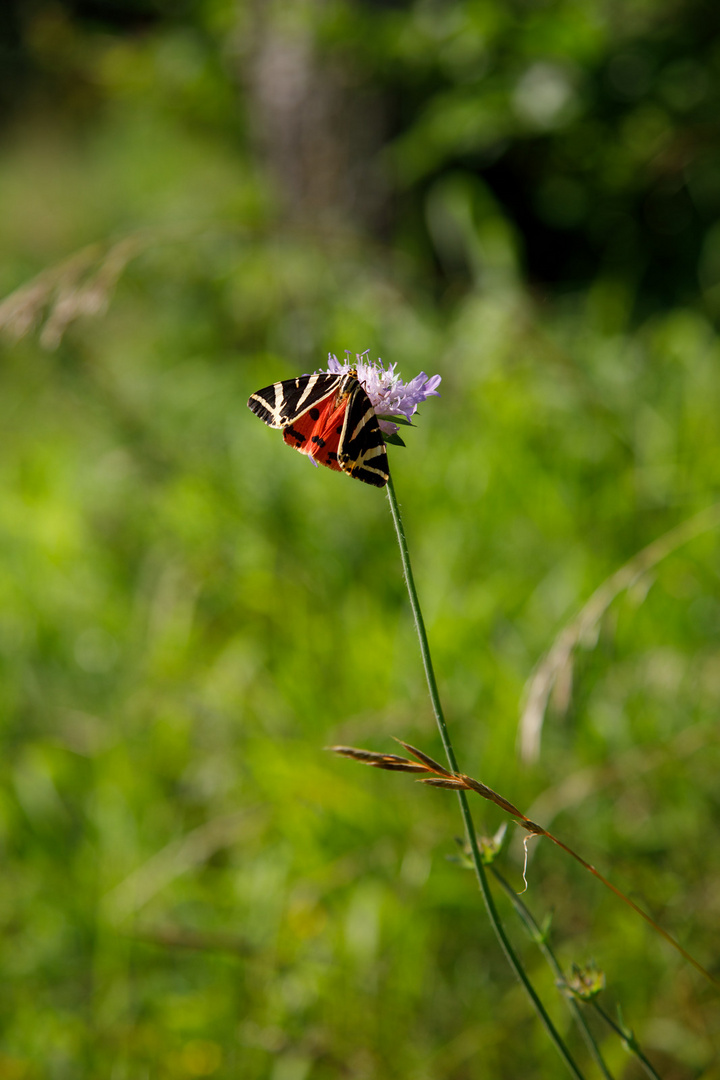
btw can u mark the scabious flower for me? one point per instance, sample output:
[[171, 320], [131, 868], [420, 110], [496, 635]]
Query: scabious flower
[[389, 395]]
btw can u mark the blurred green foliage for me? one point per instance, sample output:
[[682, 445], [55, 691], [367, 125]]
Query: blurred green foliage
[[190, 612]]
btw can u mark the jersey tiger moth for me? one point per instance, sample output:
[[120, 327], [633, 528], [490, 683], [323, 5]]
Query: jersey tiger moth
[[330, 418]]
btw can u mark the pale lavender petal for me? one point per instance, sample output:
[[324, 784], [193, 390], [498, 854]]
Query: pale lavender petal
[[388, 394]]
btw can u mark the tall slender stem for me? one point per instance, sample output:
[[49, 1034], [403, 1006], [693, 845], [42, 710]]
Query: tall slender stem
[[464, 807], [542, 943], [630, 1044]]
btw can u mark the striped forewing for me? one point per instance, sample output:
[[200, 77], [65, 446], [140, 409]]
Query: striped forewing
[[283, 402], [361, 452]]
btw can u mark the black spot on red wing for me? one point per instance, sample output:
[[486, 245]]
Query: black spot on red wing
[[296, 435], [314, 414], [318, 440], [332, 456], [338, 430]]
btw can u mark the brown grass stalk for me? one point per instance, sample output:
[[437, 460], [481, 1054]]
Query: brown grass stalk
[[554, 671], [437, 776]]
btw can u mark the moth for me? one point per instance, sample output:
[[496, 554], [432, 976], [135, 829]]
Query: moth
[[331, 419]]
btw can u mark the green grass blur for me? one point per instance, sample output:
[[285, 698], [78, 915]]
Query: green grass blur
[[190, 613]]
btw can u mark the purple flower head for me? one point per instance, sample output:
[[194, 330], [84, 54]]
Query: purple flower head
[[389, 395]]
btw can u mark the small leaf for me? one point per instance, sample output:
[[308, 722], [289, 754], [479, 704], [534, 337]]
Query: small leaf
[[460, 860], [402, 421], [546, 925], [394, 439]]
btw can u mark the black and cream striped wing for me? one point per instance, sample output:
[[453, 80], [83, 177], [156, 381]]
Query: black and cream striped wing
[[361, 452], [284, 402]]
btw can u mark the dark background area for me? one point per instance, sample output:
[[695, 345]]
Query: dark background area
[[593, 127]]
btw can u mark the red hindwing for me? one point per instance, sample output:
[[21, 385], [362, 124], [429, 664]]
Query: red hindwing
[[317, 432]]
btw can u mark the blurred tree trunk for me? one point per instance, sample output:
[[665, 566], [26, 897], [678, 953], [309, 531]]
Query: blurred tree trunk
[[317, 123]]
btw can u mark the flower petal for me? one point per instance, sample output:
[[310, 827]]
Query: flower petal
[[388, 394]]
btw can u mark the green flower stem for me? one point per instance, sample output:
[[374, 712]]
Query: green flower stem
[[629, 1040], [464, 807], [540, 940]]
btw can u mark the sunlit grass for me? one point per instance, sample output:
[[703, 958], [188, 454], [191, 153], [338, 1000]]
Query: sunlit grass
[[190, 613]]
